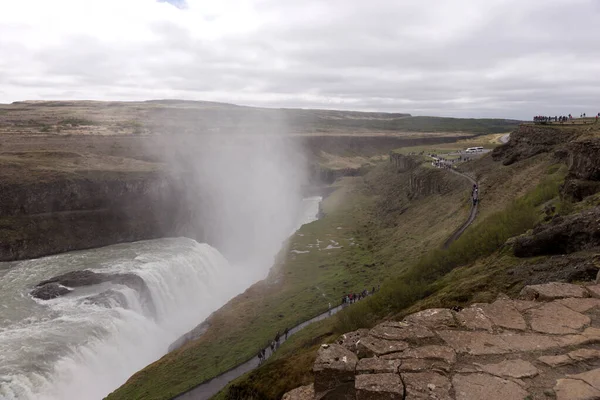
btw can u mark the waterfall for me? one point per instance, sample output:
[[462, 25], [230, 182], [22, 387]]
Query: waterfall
[[87, 343], [74, 348]]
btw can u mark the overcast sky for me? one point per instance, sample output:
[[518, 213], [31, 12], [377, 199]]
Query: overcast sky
[[501, 58]]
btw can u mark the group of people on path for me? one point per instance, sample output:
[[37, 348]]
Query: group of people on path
[[354, 297], [542, 119], [273, 345], [441, 162], [279, 338]]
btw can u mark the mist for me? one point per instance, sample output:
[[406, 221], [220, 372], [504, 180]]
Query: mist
[[242, 190]]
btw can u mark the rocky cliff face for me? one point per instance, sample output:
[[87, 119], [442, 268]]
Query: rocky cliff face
[[529, 141], [79, 212], [584, 168], [577, 147], [542, 345], [403, 163], [562, 235]]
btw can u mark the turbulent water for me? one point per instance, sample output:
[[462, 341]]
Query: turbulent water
[[86, 344]]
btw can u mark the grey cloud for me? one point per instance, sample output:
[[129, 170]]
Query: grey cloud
[[464, 58]]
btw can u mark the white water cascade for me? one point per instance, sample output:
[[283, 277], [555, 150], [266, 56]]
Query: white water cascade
[[89, 342]]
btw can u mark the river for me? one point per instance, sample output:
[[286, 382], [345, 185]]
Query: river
[[89, 342]]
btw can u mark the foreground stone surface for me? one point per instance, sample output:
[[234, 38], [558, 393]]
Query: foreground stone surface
[[545, 345]]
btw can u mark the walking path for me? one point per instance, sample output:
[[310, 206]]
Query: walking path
[[207, 389], [469, 220]]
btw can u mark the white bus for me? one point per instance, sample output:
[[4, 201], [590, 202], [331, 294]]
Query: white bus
[[474, 149]]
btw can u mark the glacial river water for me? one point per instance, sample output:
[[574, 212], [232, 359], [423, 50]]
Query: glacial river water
[[86, 344]]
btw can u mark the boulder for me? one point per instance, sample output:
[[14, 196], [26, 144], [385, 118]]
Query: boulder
[[334, 367], [50, 291], [83, 278]]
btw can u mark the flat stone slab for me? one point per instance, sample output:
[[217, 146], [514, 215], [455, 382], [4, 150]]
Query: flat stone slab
[[552, 291], [572, 357], [574, 389], [432, 318], [302, 393], [554, 318], [401, 331], [503, 314], [524, 305], [377, 366], [594, 290], [473, 318], [379, 387], [334, 366], [585, 354], [486, 387], [592, 378], [432, 352], [556, 361], [371, 346], [420, 364], [427, 385], [580, 305], [349, 340], [510, 369]]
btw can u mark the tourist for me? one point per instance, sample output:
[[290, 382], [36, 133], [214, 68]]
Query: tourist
[[286, 333]]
